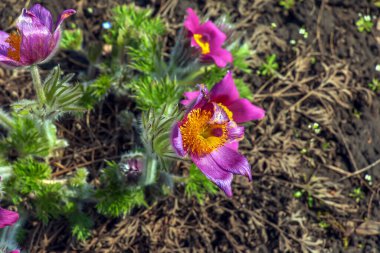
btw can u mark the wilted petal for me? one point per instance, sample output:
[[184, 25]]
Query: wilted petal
[[221, 57], [225, 91], [65, 14], [244, 111], [231, 161], [192, 21], [176, 140], [190, 97], [36, 39], [7, 218], [43, 15], [214, 172]]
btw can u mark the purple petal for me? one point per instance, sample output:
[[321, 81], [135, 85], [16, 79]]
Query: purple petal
[[43, 15], [221, 57], [235, 132], [190, 97], [65, 14], [15, 251], [176, 140], [36, 39], [244, 111], [7, 218], [202, 98], [191, 21], [3, 45], [215, 36], [8, 62], [214, 172], [225, 91], [231, 161], [232, 145]]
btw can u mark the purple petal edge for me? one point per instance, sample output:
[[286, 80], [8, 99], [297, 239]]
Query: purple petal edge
[[7, 218]]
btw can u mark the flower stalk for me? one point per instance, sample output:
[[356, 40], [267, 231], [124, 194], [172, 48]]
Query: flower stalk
[[149, 175], [37, 84]]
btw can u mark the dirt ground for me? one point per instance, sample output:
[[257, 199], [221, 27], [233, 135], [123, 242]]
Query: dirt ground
[[322, 79]]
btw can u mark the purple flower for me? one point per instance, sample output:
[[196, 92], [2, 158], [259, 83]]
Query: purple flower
[[209, 132], [7, 218], [208, 38], [36, 39]]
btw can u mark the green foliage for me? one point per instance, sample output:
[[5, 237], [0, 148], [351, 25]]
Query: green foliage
[[374, 85], [287, 4], [115, 198], [357, 194], [365, 23], [153, 94], [198, 185], [80, 225], [269, 67], [60, 98], [40, 139], [28, 174], [377, 3], [243, 88], [72, 39], [241, 53], [155, 135], [96, 91], [79, 179], [50, 202]]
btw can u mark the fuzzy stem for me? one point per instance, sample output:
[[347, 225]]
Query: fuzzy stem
[[5, 120], [37, 84], [149, 175]]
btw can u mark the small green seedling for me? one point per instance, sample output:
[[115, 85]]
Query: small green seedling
[[315, 127], [270, 67], [374, 85], [287, 4], [303, 151], [357, 194], [273, 25], [323, 224], [357, 113], [365, 23], [325, 146], [298, 194], [303, 32], [72, 39]]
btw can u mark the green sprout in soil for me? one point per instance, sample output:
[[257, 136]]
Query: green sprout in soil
[[323, 224], [315, 127], [357, 113], [287, 4], [270, 67], [374, 85], [357, 194], [303, 32], [365, 23]]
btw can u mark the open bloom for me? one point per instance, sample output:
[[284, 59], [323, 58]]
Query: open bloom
[[7, 218], [36, 39], [209, 132], [208, 38]]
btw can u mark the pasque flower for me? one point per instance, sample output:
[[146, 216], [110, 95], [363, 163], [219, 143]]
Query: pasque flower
[[36, 39], [7, 218], [209, 132], [208, 38]]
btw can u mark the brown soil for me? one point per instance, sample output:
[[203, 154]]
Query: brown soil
[[286, 156]]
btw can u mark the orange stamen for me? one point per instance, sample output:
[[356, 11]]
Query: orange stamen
[[205, 46], [200, 136], [14, 41]]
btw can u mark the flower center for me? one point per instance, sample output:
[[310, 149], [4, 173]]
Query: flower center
[[199, 135], [204, 45], [14, 41]]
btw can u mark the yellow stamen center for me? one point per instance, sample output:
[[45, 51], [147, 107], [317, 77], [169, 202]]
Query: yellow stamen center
[[205, 46], [200, 137], [14, 41]]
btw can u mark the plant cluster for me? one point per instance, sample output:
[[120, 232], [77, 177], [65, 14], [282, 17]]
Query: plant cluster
[[206, 128]]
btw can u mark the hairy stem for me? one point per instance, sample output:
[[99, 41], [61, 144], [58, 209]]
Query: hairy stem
[[149, 175], [5, 120], [37, 84]]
